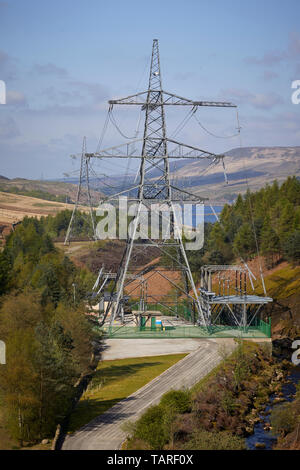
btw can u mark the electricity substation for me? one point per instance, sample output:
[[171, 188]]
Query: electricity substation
[[223, 302]]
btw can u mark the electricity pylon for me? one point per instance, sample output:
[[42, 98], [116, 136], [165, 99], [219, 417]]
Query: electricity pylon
[[156, 151], [83, 184]]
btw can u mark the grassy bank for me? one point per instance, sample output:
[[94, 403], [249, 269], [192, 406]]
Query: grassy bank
[[283, 285], [115, 380]]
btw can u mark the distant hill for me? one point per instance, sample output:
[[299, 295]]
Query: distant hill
[[57, 191], [258, 165], [14, 207]]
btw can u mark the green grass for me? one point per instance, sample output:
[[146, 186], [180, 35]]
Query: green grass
[[227, 359], [283, 283], [115, 380], [45, 204]]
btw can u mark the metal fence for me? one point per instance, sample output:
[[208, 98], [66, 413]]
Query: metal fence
[[265, 327], [262, 330]]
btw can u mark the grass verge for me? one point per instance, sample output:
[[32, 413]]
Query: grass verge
[[115, 380]]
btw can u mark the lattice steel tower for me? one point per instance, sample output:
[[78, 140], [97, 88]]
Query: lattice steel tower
[[156, 152]]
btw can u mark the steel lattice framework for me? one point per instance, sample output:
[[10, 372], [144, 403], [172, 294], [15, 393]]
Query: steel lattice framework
[[82, 185], [231, 299], [157, 150]]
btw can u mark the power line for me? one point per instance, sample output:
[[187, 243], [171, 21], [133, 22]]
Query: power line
[[215, 135]]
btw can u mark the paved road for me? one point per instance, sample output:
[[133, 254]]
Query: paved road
[[122, 348], [105, 433]]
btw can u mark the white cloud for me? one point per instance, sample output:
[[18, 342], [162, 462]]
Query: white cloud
[[265, 101], [75, 96], [272, 58]]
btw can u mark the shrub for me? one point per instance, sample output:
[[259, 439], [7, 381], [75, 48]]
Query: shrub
[[178, 400], [228, 402], [150, 428], [223, 440], [283, 419]]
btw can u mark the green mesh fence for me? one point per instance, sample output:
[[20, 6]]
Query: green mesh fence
[[262, 330], [265, 327], [182, 309]]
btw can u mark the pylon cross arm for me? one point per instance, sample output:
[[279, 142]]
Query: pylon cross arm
[[168, 99], [177, 150]]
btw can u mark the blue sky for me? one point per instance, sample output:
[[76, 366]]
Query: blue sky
[[62, 60]]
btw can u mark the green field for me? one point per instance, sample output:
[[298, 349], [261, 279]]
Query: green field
[[115, 380]]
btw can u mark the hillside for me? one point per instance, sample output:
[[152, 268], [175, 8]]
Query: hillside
[[260, 165], [283, 285], [13, 208], [57, 191]]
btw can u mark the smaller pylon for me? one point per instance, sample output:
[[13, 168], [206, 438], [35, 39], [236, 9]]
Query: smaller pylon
[[83, 181]]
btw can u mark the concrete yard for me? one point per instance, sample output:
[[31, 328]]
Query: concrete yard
[[123, 348]]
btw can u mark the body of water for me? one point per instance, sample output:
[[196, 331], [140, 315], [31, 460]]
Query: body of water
[[266, 437], [208, 214]]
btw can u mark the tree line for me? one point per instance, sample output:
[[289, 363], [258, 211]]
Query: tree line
[[48, 337], [37, 193], [265, 222]]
